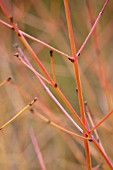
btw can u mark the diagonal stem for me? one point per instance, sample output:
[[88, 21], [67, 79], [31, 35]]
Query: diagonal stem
[[56, 125], [102, 120], [36, 40], [22, 38], [18, 114], [37, 149], [93, 27]]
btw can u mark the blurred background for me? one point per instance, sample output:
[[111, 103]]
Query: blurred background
[[46, 21]]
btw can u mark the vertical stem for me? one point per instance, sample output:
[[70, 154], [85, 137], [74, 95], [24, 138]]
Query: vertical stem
[[53, 66], [76, 68], [80, 97]]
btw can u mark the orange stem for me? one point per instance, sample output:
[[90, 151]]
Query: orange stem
[[102, 120], [20, 35], [75, 62]]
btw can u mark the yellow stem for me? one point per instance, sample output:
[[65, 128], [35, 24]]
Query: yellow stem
[[58, 126], [24, 109]]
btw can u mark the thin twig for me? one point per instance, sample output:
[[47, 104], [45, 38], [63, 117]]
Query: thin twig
[[24, 109], [56, 125], [29, 65], [37, 40], [92, 124], [53, 66], [24, 41], [37, 149], [102, 120], [60, 94], [93, 27], [5, 81], [109, 163]]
